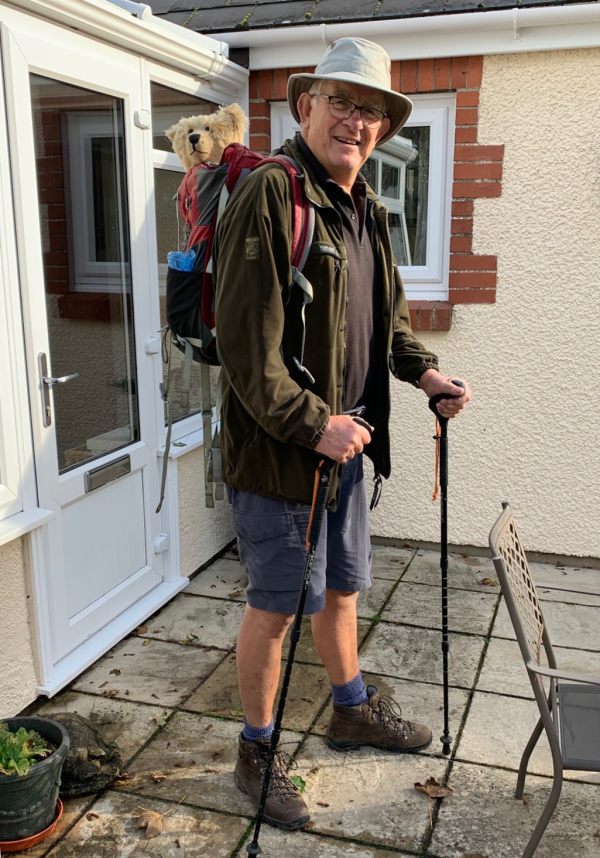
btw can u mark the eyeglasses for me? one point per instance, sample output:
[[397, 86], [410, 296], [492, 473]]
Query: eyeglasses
[[343, 108]]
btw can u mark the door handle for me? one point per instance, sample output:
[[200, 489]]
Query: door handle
[[46, 382], [51, 380]]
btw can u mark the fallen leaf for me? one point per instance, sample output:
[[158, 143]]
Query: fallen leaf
[[158, 777], [298, 782], [92, 815], [110, 692], [235, 593], [489, 582], [152, 822], [433, 789], [141, 630], [322, 803], [146, 642], [307, 699]]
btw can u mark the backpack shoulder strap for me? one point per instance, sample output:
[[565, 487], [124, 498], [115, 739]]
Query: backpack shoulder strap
[[303, 217]]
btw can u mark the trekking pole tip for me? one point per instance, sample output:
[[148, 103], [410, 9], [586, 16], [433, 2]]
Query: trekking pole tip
[[253, 848], [446, 744]]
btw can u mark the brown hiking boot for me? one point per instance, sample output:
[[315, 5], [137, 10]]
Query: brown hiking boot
[[285, 807], [377, 723]]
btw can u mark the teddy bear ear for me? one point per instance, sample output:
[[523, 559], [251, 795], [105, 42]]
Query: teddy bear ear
[[237, 118], [170, 132]]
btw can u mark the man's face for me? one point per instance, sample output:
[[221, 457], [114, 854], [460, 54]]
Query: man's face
[[341, 145]]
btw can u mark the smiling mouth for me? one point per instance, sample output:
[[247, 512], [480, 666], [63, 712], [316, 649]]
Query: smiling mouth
[[347, 141]]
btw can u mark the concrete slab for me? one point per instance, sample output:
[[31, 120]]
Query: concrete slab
[[371, 601], [569, 625], [112, 828], [192, 760], [464, 572], [73, 810], [389, 562], [301, 844], [149, 671], [482, 817], [504, 671], [224, 579], [562, 577], [368, 795], [197, 621], [309, 689], [419, 702], [128, 724], [497, 730], [420, 605], [412, 653]]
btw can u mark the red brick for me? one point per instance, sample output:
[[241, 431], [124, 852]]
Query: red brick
[[478, 152], [408, 76], [478, 171], [395, 76], [467, 98], [458, 71], [280, 79], [253, 85], [52, 180], [261, 125], [476, 190], [425, 76], [470, 262], [472, 279], [467, 116], [56, 258], [461, 243], [442, 316], [466, 134], [462, 208], [265, 83], [475, 72], [462, 226], [430, 315], [260, 142], [441, 74], [472, 296], [51, 195], [259, 107], [56, 212]]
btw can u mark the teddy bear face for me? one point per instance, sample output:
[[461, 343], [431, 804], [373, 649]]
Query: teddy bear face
[[201, 139]]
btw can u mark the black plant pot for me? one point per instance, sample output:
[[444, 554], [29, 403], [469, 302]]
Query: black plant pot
[[28, 802]]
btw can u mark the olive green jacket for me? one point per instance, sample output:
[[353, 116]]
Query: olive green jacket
[[272, 415]]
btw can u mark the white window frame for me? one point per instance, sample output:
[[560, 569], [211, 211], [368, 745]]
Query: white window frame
[[430, 281]]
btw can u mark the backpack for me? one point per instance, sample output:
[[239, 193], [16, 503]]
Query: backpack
[[190, 299]]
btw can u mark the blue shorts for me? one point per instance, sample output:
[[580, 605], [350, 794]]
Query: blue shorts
[[271, 539]]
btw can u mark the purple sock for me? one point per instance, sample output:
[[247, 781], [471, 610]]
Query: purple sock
[[350, 693], [251, 734]]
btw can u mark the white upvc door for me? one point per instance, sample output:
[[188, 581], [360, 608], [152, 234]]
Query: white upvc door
[[77, 120]]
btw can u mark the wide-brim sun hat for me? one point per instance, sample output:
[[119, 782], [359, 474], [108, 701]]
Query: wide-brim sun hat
[[360, 62]]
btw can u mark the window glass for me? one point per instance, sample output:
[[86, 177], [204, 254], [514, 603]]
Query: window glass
[[369, 171], [168, 106], [390, 180], [417, 193]]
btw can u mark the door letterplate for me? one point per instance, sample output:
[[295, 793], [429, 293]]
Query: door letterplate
[[107, 473]]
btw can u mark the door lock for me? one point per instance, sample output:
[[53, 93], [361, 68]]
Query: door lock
[[46, 382]]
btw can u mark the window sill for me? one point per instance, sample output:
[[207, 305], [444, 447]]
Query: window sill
[[23, 522], [430, 315]]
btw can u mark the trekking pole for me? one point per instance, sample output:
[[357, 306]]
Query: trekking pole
[[445, 738], [317, 511]]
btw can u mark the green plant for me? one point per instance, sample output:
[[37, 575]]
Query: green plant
[[20, 750]]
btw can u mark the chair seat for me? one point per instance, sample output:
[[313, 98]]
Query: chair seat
[[579, 715]]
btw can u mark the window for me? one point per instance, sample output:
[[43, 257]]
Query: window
[[412, 174], [168, 106]]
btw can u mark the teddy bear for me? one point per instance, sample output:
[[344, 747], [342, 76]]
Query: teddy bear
[[201, 139]]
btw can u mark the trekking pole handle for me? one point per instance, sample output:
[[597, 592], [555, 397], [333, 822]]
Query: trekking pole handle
[[433, 402]]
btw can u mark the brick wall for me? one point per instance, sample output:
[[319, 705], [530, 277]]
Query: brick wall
[[477, 169]]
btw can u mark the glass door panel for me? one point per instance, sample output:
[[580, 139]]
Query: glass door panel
[[82, 188]]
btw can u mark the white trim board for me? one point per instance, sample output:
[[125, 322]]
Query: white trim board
[[462, 34]]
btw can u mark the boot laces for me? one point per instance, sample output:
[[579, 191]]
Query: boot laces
[[280, 786], [389, 714]]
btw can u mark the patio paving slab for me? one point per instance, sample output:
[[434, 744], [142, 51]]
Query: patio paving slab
[[371, 601], [413, 653], [301, 844], [419, 702], [308, 690], [504, 671], [197, 620], [464, 572], [482, 817], [224, 579], [562, 577], [149, 671], [73, 809], [192, 761], [417, 605], [368, 795], [390, 562], [497, 730], [569, 625], [126, 723], [111, 828]]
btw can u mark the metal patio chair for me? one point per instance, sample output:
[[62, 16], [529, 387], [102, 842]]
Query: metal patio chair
[[570, 711]]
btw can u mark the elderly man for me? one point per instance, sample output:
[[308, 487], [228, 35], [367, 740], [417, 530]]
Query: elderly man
[[280, 415]]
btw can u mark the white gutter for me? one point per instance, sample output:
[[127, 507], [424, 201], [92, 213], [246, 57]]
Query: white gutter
[[131, 28], [506, 31]]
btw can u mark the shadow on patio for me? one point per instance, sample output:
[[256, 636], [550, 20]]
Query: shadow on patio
[[167, 696]]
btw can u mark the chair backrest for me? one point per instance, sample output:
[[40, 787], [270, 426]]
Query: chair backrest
[[517, 585]]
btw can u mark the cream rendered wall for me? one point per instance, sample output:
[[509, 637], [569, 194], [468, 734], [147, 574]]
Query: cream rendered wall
[[202, 531], [533, 357], [18, 679]]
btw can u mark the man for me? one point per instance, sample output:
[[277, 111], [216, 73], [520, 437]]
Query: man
[[282, 413]]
